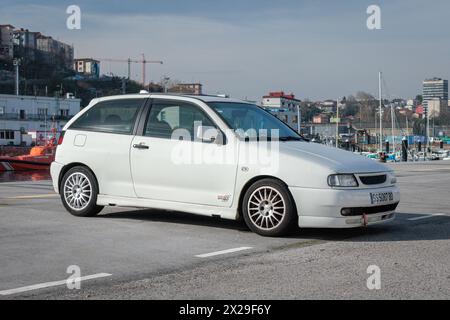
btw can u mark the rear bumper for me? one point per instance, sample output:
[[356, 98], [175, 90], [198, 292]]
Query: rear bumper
[[321, 208], [55, 170]]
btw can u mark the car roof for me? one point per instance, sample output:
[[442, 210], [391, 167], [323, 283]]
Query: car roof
[[204, 98]]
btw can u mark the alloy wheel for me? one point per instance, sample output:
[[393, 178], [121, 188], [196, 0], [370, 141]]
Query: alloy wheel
[[266, 208], [77, 191]]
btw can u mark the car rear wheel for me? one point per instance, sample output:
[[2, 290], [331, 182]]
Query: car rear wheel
[[268, 208], [79, 192]]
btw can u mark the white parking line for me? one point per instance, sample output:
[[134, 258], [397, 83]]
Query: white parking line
[[427, 216], [33, 196], [216, 253], [51, 284]]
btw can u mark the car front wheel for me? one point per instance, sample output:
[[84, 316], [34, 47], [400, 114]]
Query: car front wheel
[[79, 192], [268, 208]]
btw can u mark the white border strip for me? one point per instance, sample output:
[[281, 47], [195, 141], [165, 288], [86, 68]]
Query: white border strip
[[7, 166], [216, 253], [427, 216], [52, 284]]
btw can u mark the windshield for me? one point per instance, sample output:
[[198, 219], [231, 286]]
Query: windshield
[[250, 121]]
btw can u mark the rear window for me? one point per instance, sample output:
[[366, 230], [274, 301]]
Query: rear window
[[115, 116]]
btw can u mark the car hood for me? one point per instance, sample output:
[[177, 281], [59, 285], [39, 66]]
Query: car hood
[[337, 160]]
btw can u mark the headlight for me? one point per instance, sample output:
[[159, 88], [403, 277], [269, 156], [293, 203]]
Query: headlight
[[393, 180], [342, 180]]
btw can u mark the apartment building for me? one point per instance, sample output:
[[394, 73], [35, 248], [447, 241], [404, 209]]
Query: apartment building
[[6, 41], [87, 67], [434, 89], [188, 88]]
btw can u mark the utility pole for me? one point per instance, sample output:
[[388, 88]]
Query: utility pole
[[165, 81], [427, 110], [299, 119], [392, 124], [16, 63], [380, 93], [337, 123], [129, 68], [407, 126], [143, 70], [124, 86], [45, 124]]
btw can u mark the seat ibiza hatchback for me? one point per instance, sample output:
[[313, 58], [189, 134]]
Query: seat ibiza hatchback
[[218, 157]]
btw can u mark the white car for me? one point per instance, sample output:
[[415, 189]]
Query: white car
[[214, 156]]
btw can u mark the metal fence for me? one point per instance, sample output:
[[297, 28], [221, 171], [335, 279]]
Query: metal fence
[[32, 117]]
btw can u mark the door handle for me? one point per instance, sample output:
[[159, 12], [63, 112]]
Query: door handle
[[140, 146]]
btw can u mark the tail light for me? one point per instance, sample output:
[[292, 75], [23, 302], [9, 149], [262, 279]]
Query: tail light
[[61, 137]]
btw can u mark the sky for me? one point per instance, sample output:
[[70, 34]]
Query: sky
[[315, 49]]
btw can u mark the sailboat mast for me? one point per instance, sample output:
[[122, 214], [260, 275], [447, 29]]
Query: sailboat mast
[[380, 94], [392, 128]]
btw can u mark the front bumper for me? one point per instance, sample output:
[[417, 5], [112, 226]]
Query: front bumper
[[55, 170], [321, 208]]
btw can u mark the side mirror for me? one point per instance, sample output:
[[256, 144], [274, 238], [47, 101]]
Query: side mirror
[[208, 134]]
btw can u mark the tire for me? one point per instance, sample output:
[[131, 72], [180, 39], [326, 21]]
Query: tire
[[78, 192], [268, 208]]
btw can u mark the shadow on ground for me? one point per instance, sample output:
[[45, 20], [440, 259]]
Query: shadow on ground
[[400, 230]]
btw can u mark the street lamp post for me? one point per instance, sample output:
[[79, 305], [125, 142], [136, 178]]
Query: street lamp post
[[16, 63]]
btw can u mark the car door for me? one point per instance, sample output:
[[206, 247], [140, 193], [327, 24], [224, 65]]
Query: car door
[[167, 163], [101, 138]]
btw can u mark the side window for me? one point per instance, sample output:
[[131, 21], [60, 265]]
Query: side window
[[116, 116], [166, 117]]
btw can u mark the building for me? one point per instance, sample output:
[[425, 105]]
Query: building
[[419, 111], [33, 115], [191, 88], [328, 106], [66, 52], [321, 119], [437, 107], [280, 100], [284, 106], [25, 43], [46, 44], [435, 88], [6, 41], [55, 51], [25, 38], [87, 67]]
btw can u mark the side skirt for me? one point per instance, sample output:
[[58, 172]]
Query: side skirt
[[225, 213]]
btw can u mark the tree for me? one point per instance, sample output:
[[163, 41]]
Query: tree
[[364, 96], [419, 98], [308, 110], [351, 107], [419, 127]]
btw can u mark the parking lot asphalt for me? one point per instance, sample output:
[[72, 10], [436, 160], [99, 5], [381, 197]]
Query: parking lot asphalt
[[152, 254]]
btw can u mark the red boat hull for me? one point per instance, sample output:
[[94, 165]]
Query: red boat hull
[[39, 158], [25, 163]]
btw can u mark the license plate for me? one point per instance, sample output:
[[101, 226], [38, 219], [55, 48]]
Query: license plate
[[381, 197]]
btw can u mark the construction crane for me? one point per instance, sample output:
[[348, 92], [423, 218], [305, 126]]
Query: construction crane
[[130, 61]]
